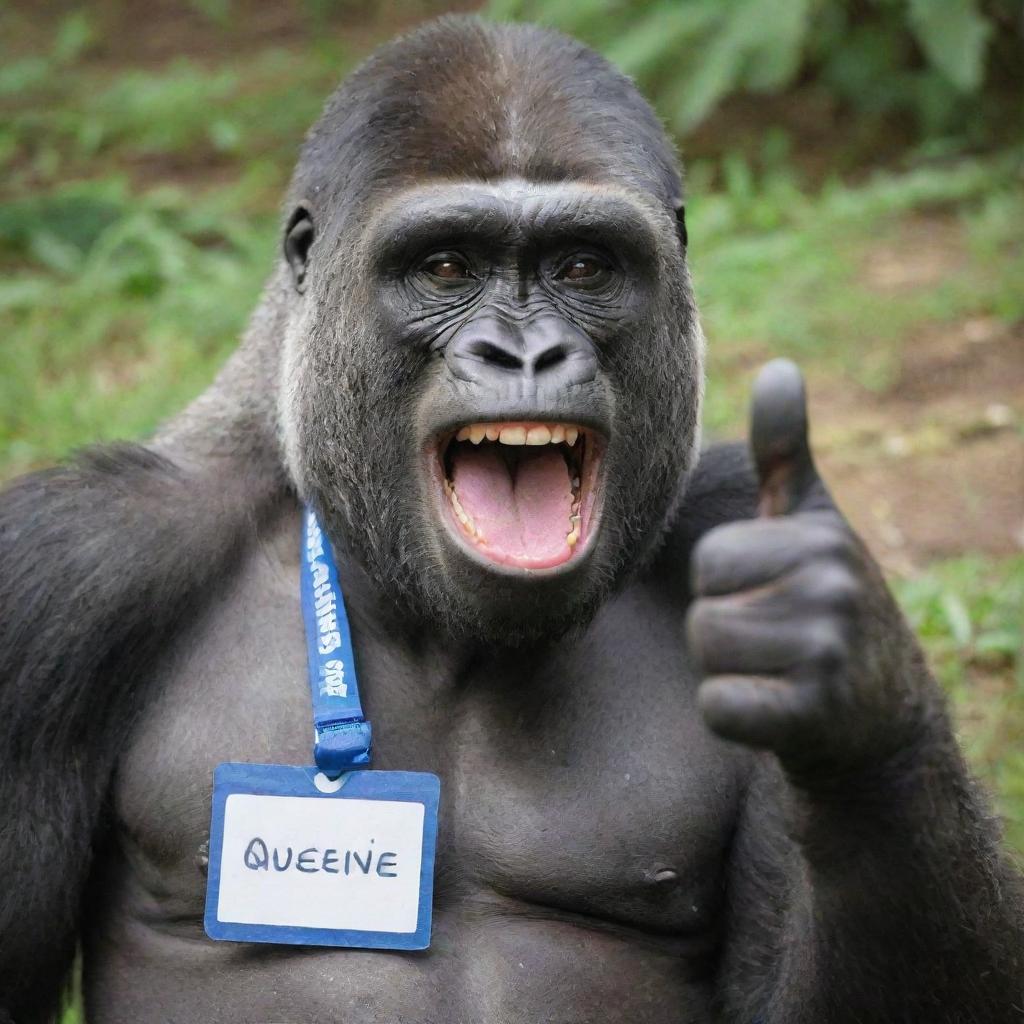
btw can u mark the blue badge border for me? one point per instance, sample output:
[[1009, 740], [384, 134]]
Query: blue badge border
[[293, 780]]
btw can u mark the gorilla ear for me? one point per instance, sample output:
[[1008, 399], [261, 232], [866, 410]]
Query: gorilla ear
[[681, 222], [298, 237]]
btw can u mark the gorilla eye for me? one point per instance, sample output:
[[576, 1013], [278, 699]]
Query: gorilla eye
[[447, 267], [583, 270]]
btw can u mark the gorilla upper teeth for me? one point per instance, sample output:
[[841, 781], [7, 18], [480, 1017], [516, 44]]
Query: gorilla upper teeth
[[519, 434], [512, 435], [523, 434]]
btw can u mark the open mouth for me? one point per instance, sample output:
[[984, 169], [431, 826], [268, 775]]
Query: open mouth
[[522, 494]]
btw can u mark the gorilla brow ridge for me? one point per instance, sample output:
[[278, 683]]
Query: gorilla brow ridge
[[619, 219]]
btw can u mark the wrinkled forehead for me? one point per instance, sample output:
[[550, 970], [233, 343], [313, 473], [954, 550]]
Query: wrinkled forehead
[[516, 211]]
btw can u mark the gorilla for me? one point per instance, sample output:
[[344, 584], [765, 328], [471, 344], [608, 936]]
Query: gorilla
[[693, 765]]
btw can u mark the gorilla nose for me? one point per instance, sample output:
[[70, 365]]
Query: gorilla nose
[[548, 352]]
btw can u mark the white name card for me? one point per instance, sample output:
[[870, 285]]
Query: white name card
[[296, 858]]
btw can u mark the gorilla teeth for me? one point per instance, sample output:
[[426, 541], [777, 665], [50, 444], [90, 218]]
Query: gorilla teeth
[[512, 435], [460, 512], [520, 434], [574, 534]]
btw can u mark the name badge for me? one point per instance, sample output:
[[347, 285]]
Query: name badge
[[299, 858]]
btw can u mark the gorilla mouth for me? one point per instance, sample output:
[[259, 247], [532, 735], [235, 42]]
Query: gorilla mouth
[[522, 494]]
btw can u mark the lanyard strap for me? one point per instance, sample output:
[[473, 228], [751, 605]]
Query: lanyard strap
[[342, 734]]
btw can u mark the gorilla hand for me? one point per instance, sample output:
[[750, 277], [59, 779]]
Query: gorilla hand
[[803, 650]]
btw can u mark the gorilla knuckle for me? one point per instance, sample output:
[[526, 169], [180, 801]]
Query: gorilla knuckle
[[835, 586], [704, 625], [760, 711], [832, 539], [714, 553], [827, 648], [745, 554]]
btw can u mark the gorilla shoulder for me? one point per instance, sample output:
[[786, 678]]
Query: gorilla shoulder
[[101, 560]]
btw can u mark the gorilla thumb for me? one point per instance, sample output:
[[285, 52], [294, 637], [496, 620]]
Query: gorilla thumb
[[788, 480]]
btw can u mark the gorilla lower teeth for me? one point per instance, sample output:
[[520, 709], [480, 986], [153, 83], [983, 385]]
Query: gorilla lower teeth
[[574, 534], [517, 445], [575, 519], [460, 512]]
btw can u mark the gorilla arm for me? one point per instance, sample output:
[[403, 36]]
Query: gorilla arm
[[867, 879], [100, 561]]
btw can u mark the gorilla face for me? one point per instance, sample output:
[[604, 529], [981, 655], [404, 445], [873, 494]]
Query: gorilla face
[[495, 395]]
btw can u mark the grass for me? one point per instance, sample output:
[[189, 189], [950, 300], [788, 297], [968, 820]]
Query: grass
[[780, 271], [139, 218], [969, 612]]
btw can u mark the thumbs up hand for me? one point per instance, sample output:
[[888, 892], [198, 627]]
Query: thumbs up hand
[[801, 646]]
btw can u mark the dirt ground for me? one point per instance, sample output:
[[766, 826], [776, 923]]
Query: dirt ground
[[933, 466]]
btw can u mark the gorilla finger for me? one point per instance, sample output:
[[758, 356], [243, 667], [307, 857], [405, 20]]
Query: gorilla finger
[[751, 553], [759, 711], [789, 481], [734, 636]]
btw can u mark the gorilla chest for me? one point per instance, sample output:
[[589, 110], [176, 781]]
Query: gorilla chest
[[580, 785], [599, 797]]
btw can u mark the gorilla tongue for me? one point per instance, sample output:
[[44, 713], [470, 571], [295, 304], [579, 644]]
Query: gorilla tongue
[[520, 508]]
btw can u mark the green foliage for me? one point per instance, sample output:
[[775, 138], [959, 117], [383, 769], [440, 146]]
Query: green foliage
[[820, 310], [928, 58], [954, 35], [116, 293], [58, 116], [969, 613]]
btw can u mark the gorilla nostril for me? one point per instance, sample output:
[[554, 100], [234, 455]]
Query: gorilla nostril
[[488, 352], [549, 358]]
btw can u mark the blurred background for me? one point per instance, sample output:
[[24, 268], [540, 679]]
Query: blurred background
[[856, 201]]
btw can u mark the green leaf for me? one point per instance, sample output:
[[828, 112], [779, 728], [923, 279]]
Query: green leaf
[[55, 253], [22, 75], [74, 35], [26, 293], [957, 618], [216, 11], [656, 37], [953, 35], [714, 75], [778, 32], [1000, 641]]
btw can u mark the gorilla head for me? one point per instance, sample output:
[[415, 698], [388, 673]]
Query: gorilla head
[[492, 358]]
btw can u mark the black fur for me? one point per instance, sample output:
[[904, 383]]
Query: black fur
[[100, 561]]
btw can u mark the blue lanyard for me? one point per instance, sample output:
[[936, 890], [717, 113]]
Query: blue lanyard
[[342, 734]]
